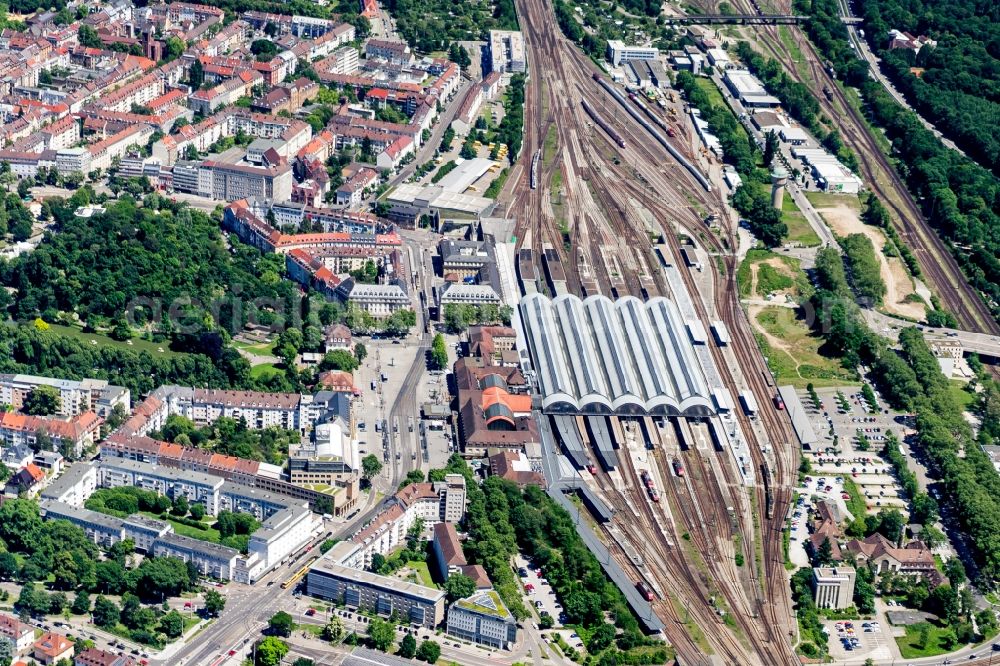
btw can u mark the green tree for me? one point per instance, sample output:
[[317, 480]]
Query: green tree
[[87, 36], [439, 353], [824, 556], [408, 647], [106, 613], [381, 634], [214, 603], [81, 603], [339, 359], [271, 651], [180, 505], [429, 651], [371, 466], [333, 630], [172, 624], [23, 188], [8, 566], [42, 400], [197, 511], [281, 624], [360, 352], [459, 586]]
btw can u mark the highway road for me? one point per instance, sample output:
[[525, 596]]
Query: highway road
[[981, 343]]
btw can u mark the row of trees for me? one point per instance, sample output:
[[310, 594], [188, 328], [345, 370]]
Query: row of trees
[[865, 269], [911, 380], [752, 199], [458, 317]]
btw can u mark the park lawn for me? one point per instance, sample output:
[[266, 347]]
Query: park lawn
[[790, 278], [910, 647], [211, 534], [137, 345], [829, 200], [798, 361], [260, 348], [962, 397], [422, 572], [799, 229], [264, 370]]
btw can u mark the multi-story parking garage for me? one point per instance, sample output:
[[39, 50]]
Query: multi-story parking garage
[[598, 356]]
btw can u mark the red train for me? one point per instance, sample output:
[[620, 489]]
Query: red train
[[778, 402], [644, 590], [678, 467]]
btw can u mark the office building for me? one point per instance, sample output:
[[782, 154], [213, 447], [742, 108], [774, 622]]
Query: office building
[[619, 53], [833, 587], [506, 52], [484, 619]]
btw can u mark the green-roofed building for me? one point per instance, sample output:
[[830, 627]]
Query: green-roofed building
[[482, 618]]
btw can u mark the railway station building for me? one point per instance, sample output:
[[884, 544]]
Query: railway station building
[[597, 356]]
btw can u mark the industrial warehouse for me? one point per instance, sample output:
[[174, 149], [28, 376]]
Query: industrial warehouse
[[598, 356]]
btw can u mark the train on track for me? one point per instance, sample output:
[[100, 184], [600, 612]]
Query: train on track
[[652, 116], [535, 159], [779, 404], [615, 136], [647, 481], [765, 475], [678, 467], [644, 590], [697, 175]]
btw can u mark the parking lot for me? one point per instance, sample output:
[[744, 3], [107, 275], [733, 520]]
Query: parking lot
[[857, 640], [851, 437], [538, 592]]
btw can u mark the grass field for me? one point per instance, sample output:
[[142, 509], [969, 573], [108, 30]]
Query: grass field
[[422, 572], [264, 369], [911, 646], [799, 229], [827, 200], [769, 278], [137, 345], [962, 397], [710, 89], [260, 348], [549, 146], [793, 351]]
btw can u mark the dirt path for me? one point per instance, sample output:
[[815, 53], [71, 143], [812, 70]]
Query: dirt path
[[844, 220], [773, 342]]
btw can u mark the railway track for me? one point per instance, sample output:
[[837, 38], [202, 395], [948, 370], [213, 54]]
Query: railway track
[[551, 94], [936, 261]]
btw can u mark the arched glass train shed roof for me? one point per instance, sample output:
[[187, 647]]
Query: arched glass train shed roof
[[598, 356]]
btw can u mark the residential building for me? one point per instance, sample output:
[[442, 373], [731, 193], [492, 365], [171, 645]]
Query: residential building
[[75, 397], [833, 587], [211, 559], [397, 53], [24, 482], [75, 434], [196, 487], [97, 657], [51, 648], [448, 554], [21, 634], [238, 181], [484, 619], [468, 110], [384, 595]]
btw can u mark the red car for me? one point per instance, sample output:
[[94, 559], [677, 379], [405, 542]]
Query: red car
[[232, 652], [311, 612]]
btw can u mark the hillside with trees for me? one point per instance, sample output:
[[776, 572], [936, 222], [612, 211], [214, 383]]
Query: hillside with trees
[[959, 198], [958, 86]]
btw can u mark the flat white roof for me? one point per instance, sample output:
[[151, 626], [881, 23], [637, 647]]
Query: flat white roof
[[465, 174]]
